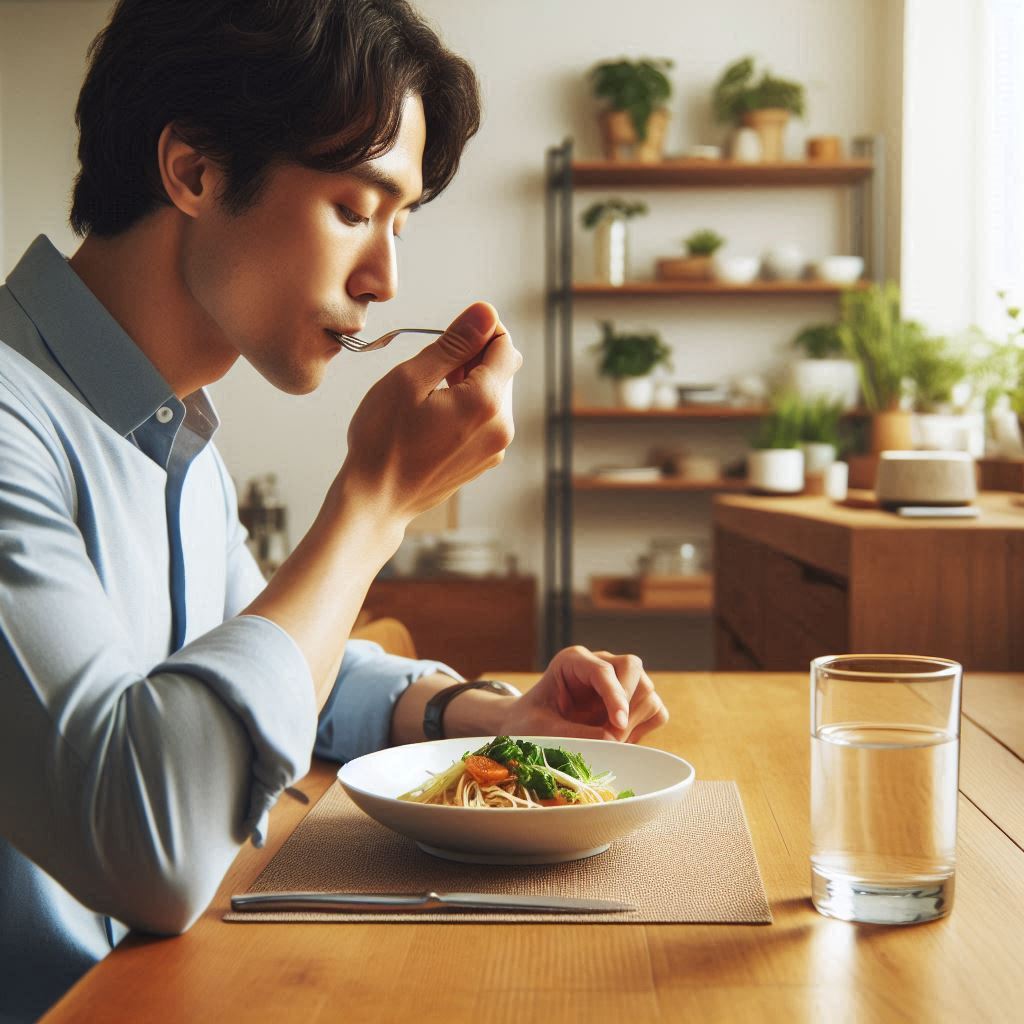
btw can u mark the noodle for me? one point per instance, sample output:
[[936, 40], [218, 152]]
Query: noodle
[[516, 774]]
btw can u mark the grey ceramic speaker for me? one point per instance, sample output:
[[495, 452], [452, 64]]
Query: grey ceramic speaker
[[925, 478]]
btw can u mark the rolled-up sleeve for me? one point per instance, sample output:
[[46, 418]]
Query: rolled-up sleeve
[[133, 783], [356, 719]]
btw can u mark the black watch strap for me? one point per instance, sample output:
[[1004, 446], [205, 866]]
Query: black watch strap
[[433, 715]]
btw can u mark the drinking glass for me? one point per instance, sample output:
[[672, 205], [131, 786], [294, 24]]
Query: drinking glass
[[885, 744]]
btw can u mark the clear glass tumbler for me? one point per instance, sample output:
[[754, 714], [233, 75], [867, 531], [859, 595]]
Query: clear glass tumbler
[[885, 745]]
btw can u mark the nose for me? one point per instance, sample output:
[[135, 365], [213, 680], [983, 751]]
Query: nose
[[374, 277]]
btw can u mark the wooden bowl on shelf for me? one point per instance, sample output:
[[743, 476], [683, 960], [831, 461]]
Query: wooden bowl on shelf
[[683, 268]]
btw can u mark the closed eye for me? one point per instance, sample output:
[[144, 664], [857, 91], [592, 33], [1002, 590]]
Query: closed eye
[[350, 216]]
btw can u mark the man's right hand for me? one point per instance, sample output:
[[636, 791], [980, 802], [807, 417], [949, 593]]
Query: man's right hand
[[411, 444]]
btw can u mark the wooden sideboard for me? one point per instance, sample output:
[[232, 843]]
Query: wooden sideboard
[[474, 624], [800, 577]]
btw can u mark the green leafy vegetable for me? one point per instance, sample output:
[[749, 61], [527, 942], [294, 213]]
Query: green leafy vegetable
[[625, 793]]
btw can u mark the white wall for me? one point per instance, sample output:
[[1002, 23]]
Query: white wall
[[484, 238]]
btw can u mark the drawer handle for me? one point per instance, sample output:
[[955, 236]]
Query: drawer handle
[[809, 574]]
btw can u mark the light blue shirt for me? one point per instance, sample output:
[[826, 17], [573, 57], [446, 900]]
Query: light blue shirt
[[146, 728]]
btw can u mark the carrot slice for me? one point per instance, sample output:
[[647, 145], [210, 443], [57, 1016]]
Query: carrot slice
[[485, 771]]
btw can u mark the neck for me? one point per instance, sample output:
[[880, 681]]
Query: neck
[[137, 277]]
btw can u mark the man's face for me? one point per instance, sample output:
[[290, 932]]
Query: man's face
[[308, 258]]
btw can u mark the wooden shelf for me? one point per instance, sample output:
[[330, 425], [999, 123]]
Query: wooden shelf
[[694, 411], [623, 608], [684, 287], [625, 596], [668, 483], [718, 173]]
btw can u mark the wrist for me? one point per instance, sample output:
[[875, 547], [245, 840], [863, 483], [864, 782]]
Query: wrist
[[366, 518], [477, 713]]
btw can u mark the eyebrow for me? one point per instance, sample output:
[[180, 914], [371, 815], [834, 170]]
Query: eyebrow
[[376, 177]]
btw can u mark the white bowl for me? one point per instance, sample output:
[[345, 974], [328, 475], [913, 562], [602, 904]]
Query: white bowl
[[493, 835], [735, 269], [840, 269]]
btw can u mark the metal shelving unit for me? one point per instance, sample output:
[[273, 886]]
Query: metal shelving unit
[[862, 174]]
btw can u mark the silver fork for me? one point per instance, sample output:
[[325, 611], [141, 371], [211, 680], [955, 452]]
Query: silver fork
[[354, 344]]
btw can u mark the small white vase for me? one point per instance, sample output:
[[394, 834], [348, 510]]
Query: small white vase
[[830, 379], [818, 456], [634, 392], [611, 250], [746, 146], [776, 470]]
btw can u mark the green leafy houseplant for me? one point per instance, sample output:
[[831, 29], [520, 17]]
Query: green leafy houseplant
[[935, 368], [737, 93], [613, 207], [636, 87], [820, 422], [996, 366], [630, 355], [880, 342], [820, 341], [782, 427], [703, 243]]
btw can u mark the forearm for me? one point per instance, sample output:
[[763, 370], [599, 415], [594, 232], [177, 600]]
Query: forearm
[[318, 590], [473, 713]]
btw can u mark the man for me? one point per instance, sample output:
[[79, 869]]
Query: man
[[245, 170]]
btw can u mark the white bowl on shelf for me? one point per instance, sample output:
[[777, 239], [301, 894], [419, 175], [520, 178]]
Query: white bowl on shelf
[[839, 269], [735, 269]]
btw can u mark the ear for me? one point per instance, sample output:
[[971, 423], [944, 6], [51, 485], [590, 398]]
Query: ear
[[189, 178]]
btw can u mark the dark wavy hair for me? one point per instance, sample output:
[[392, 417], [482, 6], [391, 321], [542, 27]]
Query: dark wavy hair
[[254, 83]]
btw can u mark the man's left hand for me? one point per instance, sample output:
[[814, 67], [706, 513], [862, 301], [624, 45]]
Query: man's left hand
[[589, 694]]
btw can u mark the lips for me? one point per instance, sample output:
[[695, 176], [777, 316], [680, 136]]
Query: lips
[[336, 335]]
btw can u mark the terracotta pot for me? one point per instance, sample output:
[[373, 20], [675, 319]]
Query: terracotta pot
[[620, 141], [892, 431], [770, 125]]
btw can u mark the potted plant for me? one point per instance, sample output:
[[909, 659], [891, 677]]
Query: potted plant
[[696, 264], [824, 372], [630, 359], [609, 220], [938, 374], [880, 342], [776, 464], [636, 119], [764, 105], [819, 435]]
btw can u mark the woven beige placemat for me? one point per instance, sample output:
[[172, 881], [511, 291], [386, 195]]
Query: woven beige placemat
[[694, 864]]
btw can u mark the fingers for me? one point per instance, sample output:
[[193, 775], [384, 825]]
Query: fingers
[[646, 711], [465, 338], [585, 675]]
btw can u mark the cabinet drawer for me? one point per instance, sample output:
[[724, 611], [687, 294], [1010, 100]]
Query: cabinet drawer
[[731, 655], [781, 611]]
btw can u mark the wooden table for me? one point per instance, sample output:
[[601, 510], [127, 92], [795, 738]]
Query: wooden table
[[799, 577], [804, 967]]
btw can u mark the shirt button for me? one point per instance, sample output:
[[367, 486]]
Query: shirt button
[[164, 414]]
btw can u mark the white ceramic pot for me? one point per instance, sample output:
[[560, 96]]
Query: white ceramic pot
[[832, 379], [818, 456], [666, 395], [746, 146], [634, 392], [611, 250], [776, 470], [950, 432]]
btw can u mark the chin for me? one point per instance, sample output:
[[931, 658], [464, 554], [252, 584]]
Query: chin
[[292, 380]]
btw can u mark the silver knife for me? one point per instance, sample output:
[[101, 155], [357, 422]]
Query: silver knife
[[418, 902]]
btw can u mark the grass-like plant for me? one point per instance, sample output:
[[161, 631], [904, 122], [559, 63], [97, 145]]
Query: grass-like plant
[[630, 354], [612, 207], [820, 341], [638, 87], [737, 93], [881, 343], [703, 243], [935, 369], [782, 427], [820, 422]]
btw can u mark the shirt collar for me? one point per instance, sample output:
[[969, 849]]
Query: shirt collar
[[116, 379]]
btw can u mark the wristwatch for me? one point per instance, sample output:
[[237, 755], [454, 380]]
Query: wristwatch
[[433, 715]]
